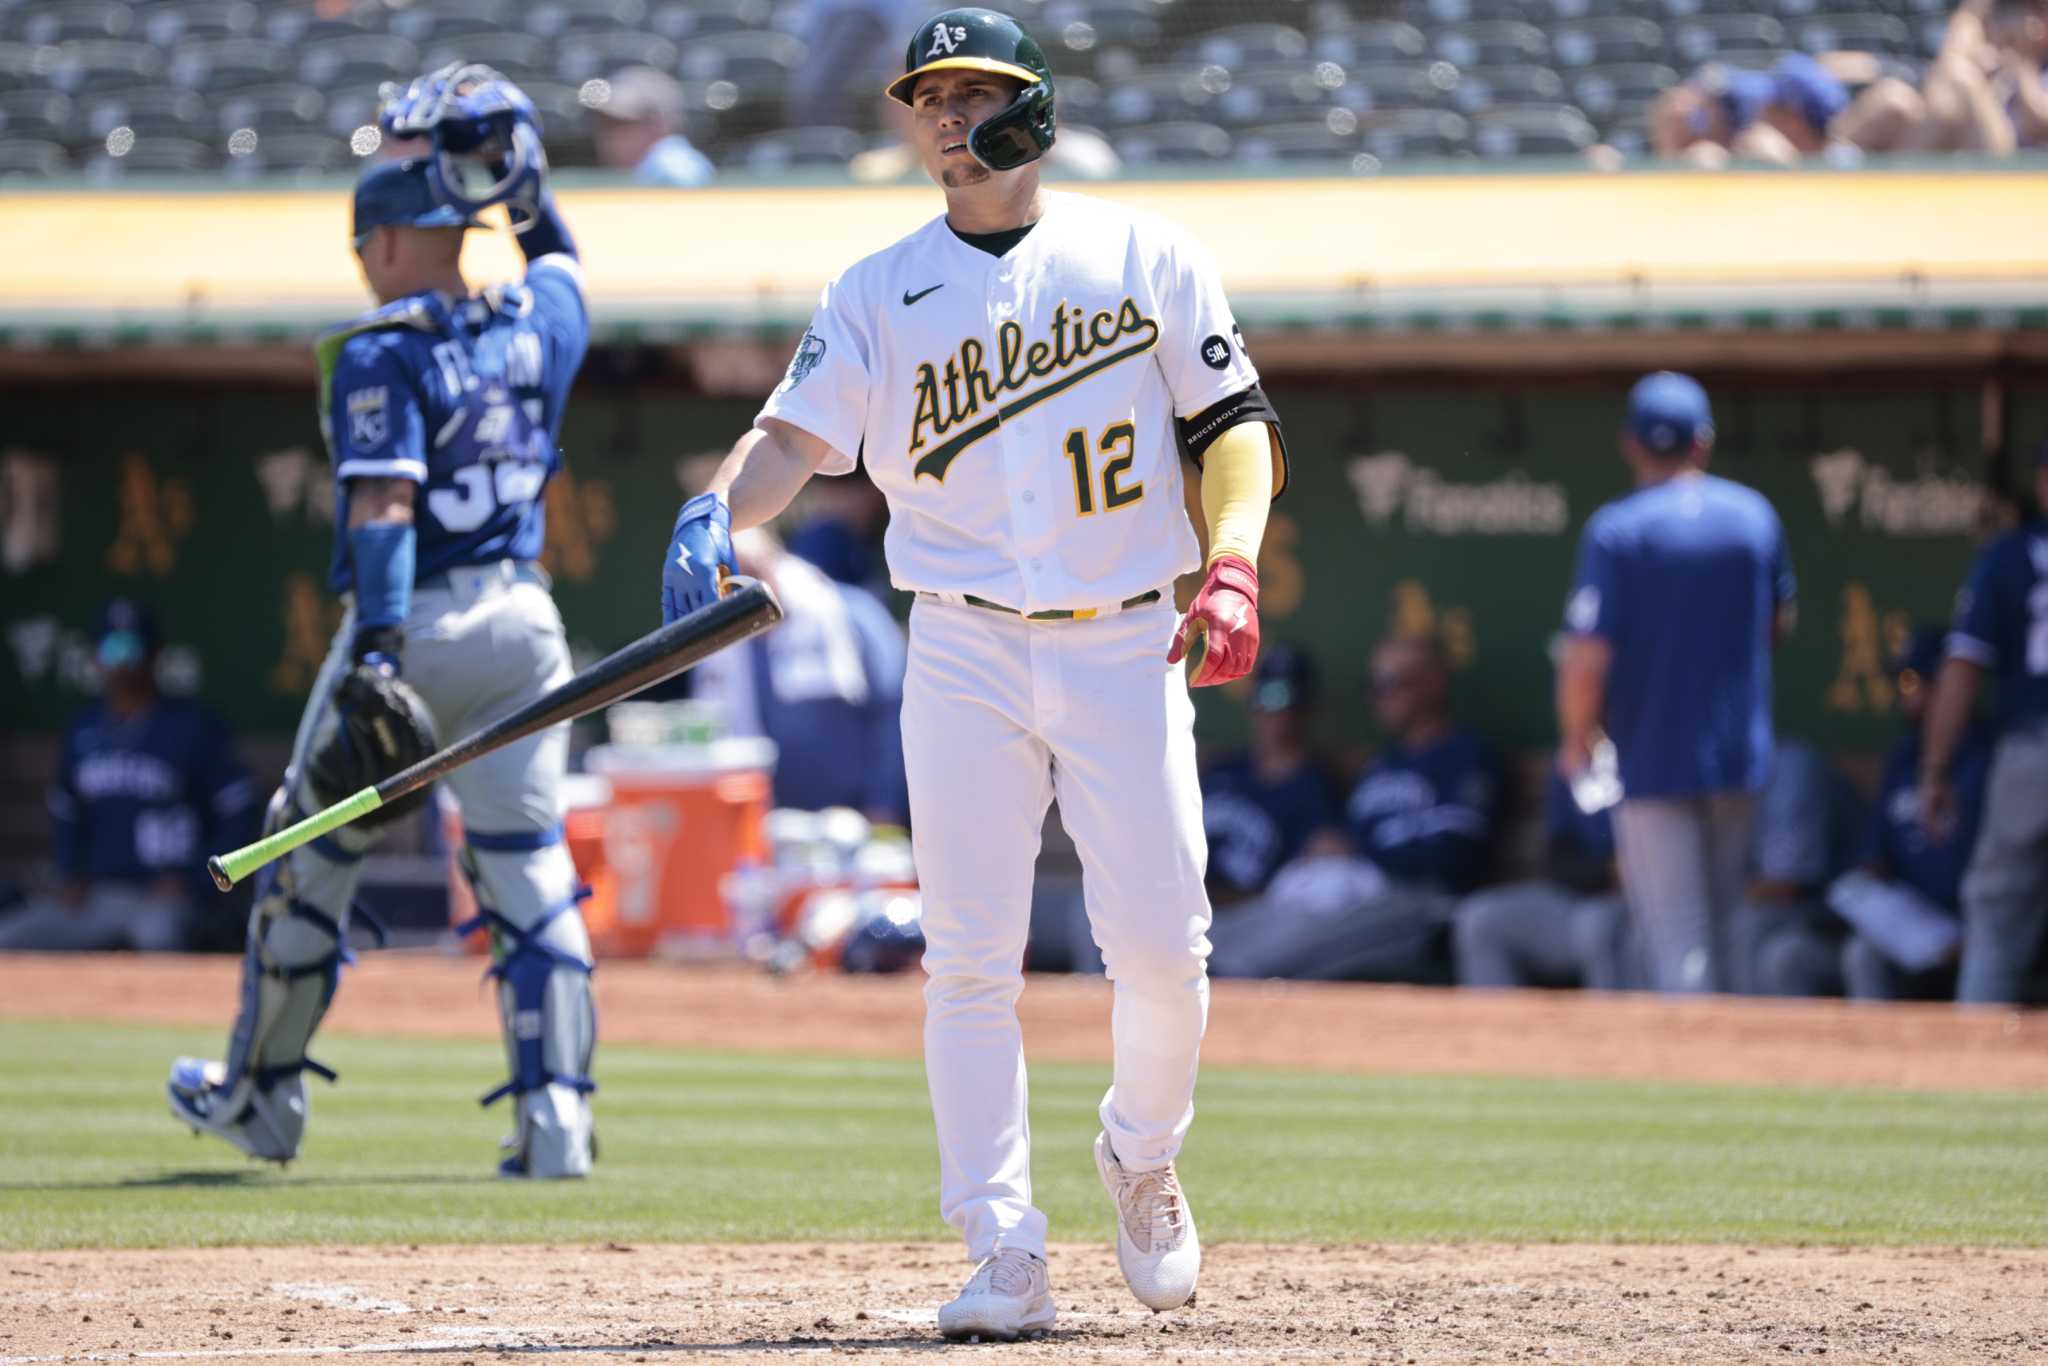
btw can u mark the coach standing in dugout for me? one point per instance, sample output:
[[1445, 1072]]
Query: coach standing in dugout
[[2002, 625], [1683, 588]]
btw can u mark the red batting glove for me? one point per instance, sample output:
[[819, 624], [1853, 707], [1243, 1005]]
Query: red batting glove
[[1222, 624]]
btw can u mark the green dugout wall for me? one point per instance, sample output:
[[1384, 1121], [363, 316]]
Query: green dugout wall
[[1422, 498]]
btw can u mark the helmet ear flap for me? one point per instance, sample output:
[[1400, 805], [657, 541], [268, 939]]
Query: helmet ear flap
[[1021, 133]]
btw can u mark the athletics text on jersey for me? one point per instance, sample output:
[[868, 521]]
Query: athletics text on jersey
[[1018, 411]]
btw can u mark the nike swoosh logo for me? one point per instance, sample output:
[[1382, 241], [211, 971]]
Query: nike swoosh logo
[[909, 298]]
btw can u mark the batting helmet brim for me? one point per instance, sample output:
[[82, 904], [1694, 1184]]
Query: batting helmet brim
[[899, 89]]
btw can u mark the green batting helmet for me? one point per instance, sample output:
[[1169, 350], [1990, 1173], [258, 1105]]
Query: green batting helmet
[[985, 40]]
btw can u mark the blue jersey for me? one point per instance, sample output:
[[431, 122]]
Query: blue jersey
[[1896, 845], [2002, 623], [1807, 820], [1255, 825], [1429, 816], [1684, 580], [464, 398], [150, 794]]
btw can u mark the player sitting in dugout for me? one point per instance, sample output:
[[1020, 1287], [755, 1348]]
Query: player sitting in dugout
[[1373, 901], [1261, 804]]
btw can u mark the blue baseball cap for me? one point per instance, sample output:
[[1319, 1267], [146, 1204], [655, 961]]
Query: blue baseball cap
[[1804, 86], [125, 634], [397, 194], [1285, 679], [1742, 95], [1668, 413]]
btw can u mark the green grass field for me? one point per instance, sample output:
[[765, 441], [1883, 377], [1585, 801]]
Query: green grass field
[[719, 1147]]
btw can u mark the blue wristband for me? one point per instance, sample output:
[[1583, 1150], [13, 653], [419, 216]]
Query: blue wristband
[[382, 553]]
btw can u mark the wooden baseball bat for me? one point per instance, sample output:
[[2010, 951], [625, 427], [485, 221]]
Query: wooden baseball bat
[[747, 609]]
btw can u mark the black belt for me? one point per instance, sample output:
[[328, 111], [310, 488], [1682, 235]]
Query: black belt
[[1060, 614]]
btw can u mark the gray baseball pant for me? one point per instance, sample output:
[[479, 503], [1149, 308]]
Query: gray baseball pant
[[112, 916], [1538, 934], [2005, 891], [1395, 937], [1682, 861]]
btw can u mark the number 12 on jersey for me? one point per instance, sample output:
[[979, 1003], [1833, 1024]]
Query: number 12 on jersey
[[1118, 438]]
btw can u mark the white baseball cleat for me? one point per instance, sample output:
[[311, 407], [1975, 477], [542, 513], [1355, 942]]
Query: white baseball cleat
[[1008, 1297], [1156, 1246], [263, 1124]]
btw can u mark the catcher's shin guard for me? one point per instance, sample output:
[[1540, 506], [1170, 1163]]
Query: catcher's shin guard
[[256, 1100], [527, 896]]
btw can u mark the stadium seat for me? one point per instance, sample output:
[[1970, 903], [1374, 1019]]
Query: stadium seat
[[1409, 85], [1694, 9], [40, 115], [1173, 143], [25, 66], [1246, 45], [1603, 91], [284, 107], [703, 18], [1370, 44], [1486, 86], [90, 66], [1162, 95], [1572, 11], [365, 59], [1302, 141], [71, 20], [555, 18], [1560, 130], [1603, 41], [146, 156], [584, 55], [180, 20], [1724, 36], [223, 63], [1413, 134], [308, 154], [521, 56], [34, 158], [450, 19], [1096, 24], [1081, 100], [1884, 34], [760, 63], [149, 111], [1492, 43], [348, 110], [797, 149], [1279, 94], [294, 26], [1464, 11]]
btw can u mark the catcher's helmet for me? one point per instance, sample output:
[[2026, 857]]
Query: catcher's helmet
[[985, 40]]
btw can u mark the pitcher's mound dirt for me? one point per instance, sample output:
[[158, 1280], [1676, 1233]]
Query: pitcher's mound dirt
[[754, 1303]]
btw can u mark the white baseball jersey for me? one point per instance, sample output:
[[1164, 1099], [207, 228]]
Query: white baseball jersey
[[1018, 413]]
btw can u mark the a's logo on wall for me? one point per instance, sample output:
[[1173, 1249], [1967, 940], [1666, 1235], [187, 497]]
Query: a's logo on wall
[[946, 40], [1393, 490], [1855, 491]]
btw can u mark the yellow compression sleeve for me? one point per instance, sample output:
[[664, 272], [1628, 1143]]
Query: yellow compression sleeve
[[1237, 488]]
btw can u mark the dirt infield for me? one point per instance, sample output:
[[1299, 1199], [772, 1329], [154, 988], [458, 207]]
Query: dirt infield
[[1334, 1028], [459, 1306], [462, 1306]]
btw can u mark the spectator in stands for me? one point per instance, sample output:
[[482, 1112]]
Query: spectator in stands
[[1800, 109], [1781, 938], [826, 686], [1900, 930], [1984, 88], [639, 127], [1682, 589], [1261, 804], [1373, 900], [146, 787], [1567, 928]]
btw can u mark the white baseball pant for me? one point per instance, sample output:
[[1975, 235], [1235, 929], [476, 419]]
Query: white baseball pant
[[1000, 715]]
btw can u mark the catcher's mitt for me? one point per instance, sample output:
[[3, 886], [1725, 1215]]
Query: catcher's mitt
[[381, 727]]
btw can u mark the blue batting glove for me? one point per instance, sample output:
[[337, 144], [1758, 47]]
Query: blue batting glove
[[699, 557]]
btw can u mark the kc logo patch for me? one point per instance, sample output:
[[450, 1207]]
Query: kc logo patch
[[1216, 353], [809, 352], [946, 40], [368, 423]]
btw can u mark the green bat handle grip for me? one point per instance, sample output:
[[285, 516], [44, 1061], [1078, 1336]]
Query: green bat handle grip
[[228, 869]]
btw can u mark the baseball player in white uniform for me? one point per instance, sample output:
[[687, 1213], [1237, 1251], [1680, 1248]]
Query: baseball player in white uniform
[[1022, 376]]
